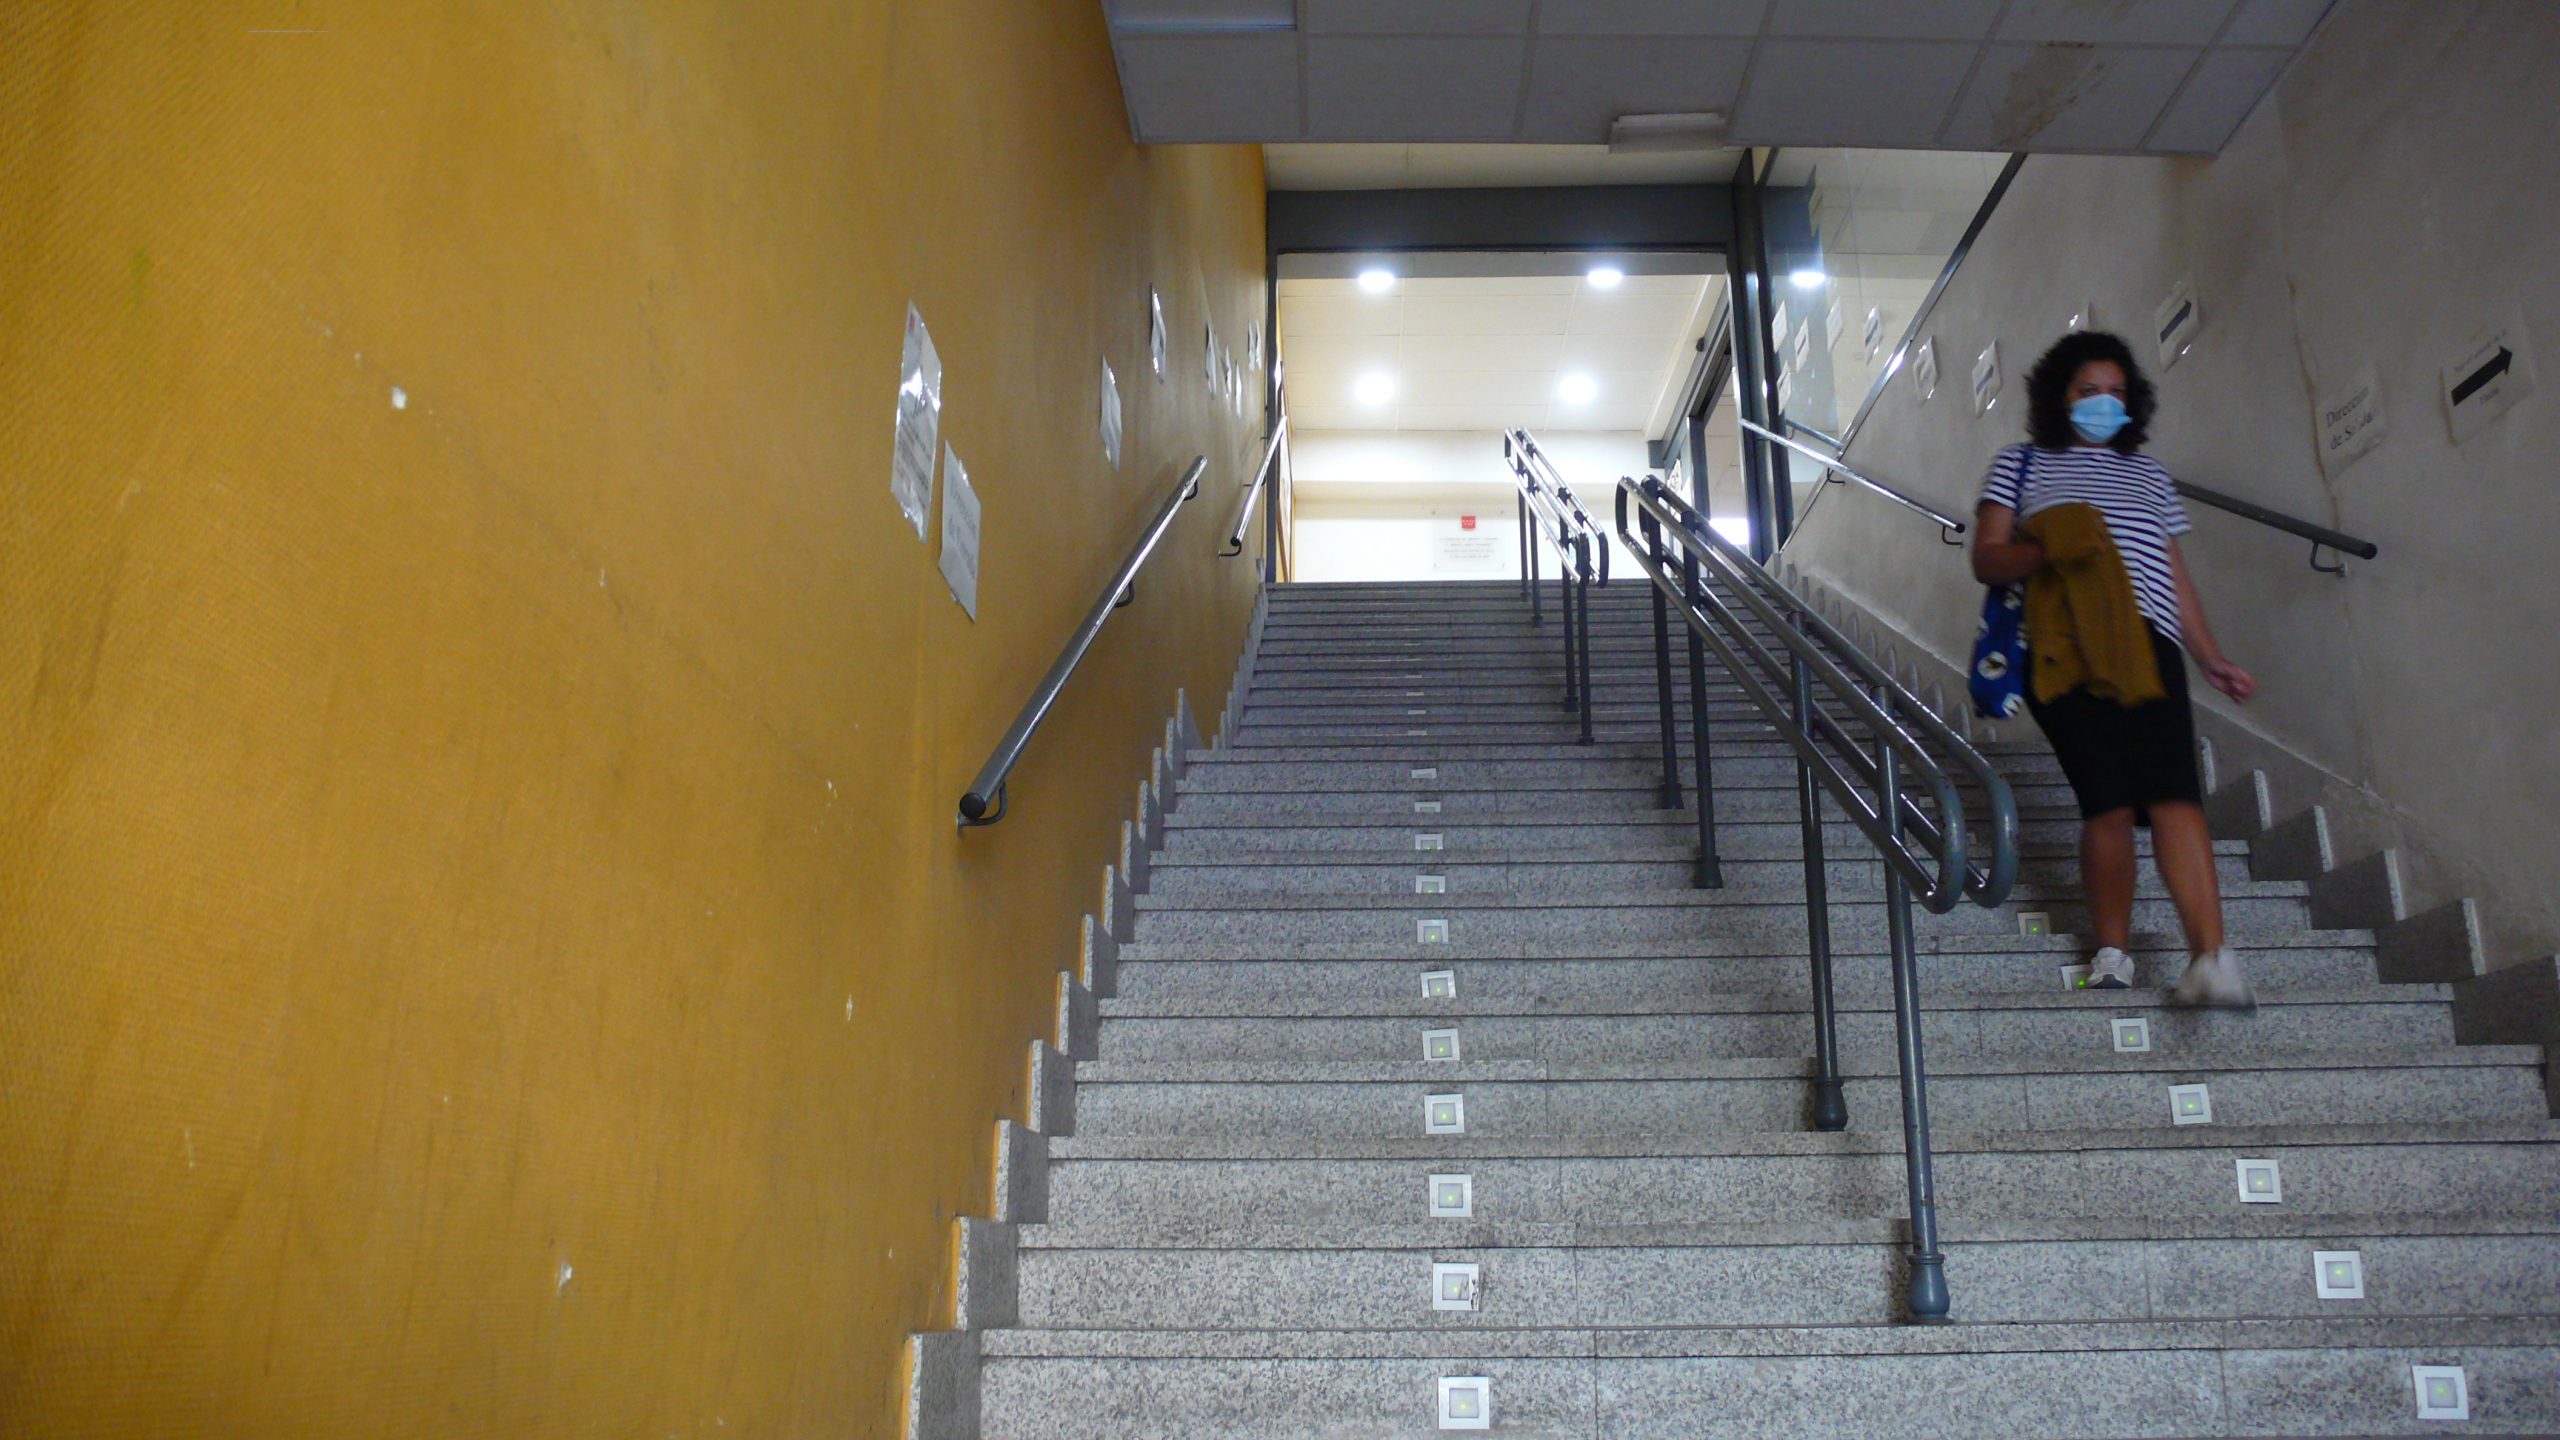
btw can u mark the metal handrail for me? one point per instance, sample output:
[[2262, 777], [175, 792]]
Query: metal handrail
[[988, 790], [1832, 466], [1819, 692], [1262, 475], [1547, 511], [2320, 536]]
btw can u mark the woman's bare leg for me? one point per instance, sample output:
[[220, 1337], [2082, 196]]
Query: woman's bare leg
[[2106, 875], [2183, 849]]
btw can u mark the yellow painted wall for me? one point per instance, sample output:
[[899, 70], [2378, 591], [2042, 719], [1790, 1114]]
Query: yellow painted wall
[[483, 946]]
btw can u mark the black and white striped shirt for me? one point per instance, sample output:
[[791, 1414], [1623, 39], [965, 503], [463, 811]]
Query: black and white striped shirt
[[2135, 495]]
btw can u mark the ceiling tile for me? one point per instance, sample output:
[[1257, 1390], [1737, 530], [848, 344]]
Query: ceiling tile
[[1412, 89], [1201, 16], [1476, 387], [2115, 22], [1518, 315], [1886, 19], [1614, 314], [1489, 286], [2225, 89], [1210, 87], [2274, 22], [1417, 17], [1615, 352], [1651, 17], [1311, 354], [1578, 86], [2066, 97], [1479, 416], [1458, 352], [1840, 92], [1341, 315]]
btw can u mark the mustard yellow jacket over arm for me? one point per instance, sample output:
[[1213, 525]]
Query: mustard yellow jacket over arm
[[2083, 625]]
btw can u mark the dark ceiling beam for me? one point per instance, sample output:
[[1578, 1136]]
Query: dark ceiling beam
[[1566, 217]]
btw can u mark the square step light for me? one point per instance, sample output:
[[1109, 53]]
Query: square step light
[[2261, 1183], [1440, 1045], [2075, 977], [2190, 1105], [1444, 1114], [2132, 1034], [1426, 841], [1453, 1197], [1431, 932], [1455, 1287], [1466, 1402], [2443, 1393], [1430, 884], [1426, 807], [2035, 922], [2337, 1274], [1426, 772], [1439, 984]]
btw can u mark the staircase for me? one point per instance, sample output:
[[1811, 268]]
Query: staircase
[[1252, 1230]]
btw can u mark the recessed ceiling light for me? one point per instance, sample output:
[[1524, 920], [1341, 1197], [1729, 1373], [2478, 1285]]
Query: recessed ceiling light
[[1808, 278], [1377, 280], [1606, 277], [1374, 390], [1577, 389]]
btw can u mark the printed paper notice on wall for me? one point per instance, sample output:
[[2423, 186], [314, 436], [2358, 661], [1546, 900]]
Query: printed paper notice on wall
[[1155, 332], [1924, 370], [919, 424], [1873, 339], [2175, 323], [959, 533], [1986, 379], [2486, 376], [2352, 422], [1110, 416]]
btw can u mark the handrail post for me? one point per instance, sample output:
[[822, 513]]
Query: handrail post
[[1564, 610], [1928, 1286], [1537, 615], [1709, 872], [1271, 521], [1520, 508], [1582, 599], [1830, 1102], [1670, 798]]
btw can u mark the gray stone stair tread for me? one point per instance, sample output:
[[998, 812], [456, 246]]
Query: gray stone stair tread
[[1642, 849], [1746, 1002], [2061, 949], [1957, 1230], [1958, 1338], [1467, 1072], [1690, 1145], [1599, 902]]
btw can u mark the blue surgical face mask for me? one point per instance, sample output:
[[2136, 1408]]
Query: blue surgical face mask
[[2098, 418]]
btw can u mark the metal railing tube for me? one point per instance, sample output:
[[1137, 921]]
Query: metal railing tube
[[1582, 601], [2320, 535], [1831, 466], [1830, 1101], [1670, 798], [1927, 1292], [1263, 477], [1708, 873], [983, 803]]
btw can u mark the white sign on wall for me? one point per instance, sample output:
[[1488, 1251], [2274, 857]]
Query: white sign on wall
[[2352, 422], [1986, 379], [1924, 370], [1110, 416], [1155, 332], [1874, 338], [1832, 326], [959, 533], [2175, 322], [919, 423], [2487, 376], [1464, 545]]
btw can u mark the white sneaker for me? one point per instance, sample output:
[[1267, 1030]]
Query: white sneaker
[[2214, 980], [2110, 969]]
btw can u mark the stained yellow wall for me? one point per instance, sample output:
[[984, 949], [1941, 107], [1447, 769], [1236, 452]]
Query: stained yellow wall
[[483, 946]]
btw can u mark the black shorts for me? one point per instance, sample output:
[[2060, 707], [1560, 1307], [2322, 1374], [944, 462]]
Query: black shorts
[[2126, 756]]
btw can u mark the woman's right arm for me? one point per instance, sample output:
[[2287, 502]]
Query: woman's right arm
[[2000, 555]]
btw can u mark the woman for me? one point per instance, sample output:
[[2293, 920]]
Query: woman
[[2088, 411]]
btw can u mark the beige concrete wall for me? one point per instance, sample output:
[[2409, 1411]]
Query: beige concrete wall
[[2392, 198]]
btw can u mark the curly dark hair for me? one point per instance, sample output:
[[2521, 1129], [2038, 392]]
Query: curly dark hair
[[2049, 392]]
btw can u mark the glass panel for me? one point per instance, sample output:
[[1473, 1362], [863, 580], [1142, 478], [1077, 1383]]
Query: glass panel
[[1856, 238]]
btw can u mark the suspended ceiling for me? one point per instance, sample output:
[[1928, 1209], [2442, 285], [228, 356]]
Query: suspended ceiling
[[2115, 76], [1488, 352]]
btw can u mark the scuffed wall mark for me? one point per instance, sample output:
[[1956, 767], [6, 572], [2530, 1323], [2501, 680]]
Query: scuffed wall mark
[[2041, 91], [399, 398]]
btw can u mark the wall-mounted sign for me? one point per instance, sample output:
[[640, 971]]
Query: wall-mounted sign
[[1986, 379], [1209, 355], [1924, 370], [1778, 321], [2487, 376], [1873, 340], [1804, 343], [959, 533], [1110, 416], [2352, 422], [1786, 391], [919, 423], [2084, 318], [1155, 332], [2175, 322], [1461, 547], [1832, 325]]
